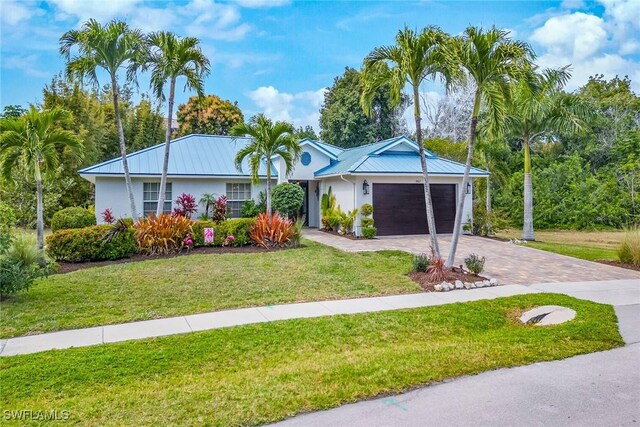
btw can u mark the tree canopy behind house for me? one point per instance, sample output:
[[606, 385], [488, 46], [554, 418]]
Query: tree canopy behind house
[[209, 115], [344, 123]]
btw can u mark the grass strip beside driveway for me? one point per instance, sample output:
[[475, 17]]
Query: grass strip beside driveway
[[191, 284], [261, 373]]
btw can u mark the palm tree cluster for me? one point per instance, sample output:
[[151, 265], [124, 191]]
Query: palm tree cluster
[[512, 97], [114, 47]]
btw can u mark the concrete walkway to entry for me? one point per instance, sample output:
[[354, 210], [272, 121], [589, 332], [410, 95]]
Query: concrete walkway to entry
[[624, 294], [220, 319]]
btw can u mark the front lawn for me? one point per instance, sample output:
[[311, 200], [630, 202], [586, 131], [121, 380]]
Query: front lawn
[[199, 283], [261, 373]]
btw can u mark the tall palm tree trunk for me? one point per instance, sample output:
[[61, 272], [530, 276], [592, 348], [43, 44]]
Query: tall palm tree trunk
[[488, 196], [431, 222], [123, 148], [457, 227], [39, 217], [167, 144], [527, 227], [269, 187]]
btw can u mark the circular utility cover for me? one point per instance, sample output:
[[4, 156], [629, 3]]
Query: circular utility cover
[[305, 158], [548, 315]]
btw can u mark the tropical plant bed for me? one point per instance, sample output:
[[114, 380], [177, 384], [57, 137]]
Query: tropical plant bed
[[424, 280], [261, 373], [67, 267]]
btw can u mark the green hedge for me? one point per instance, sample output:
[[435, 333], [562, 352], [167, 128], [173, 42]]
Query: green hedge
[[238, 228], [88, 244], [72, 218]]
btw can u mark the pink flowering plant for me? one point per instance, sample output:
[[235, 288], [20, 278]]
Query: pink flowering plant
[[229, 241], [188, 242]]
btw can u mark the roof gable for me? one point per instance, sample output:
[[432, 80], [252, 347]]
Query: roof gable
[[329, 150]]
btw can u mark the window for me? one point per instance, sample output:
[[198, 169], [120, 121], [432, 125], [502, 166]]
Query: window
[[237, 194], [151, 190]]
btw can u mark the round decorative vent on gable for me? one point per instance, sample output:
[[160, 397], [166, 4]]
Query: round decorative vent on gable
[[306, 158]]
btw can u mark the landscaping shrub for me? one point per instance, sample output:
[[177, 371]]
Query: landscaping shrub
[[329, 211], [474, 263], [162, 234], [272, 231], [297, 236], [219, 209], [346, 221], [72, 218], [421, 262], [251, 209], [107, 216], [287, 199], [7, 216], [186, 205], [629, 249], [19, 265], [369, 232], [436, 270], [239, 228], [367, 229], [91, 244]]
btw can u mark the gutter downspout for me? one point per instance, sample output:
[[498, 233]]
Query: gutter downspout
[[354, 197]]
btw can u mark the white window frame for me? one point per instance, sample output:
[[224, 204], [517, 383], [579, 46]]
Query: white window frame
[[235, 199], [147, 192]]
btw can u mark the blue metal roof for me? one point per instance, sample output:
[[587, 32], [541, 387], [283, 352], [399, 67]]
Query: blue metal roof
[[380, 157], [191, 155]]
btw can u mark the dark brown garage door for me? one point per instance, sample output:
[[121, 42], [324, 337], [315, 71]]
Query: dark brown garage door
[[400, 208]]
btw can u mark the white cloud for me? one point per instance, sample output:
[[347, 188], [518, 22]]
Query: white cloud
[[301, 108], [13, 12], [578, 35], [592, 44], [25, 63], [100, 10], [262, 3], [217, 21]]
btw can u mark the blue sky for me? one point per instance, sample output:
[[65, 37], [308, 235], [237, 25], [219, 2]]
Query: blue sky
[[277, 56]]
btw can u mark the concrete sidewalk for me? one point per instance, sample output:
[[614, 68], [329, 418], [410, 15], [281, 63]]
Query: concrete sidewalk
[[220, 319]]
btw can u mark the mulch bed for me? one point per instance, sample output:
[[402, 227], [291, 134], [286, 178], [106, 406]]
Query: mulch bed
[[619, 264], [67, 267], [347, 236], [422, 278]]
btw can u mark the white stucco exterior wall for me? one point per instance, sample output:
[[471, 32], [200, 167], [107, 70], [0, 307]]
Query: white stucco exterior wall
[[112, 193], [345, 191]]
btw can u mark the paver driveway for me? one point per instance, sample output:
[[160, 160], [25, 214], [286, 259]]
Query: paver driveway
[[509, 263]]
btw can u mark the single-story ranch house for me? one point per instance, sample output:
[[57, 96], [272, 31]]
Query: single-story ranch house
[[386, 174]]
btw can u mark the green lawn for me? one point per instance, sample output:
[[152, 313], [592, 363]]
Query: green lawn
[[200, 283], [589, 245], [260, 373], [577, 251]]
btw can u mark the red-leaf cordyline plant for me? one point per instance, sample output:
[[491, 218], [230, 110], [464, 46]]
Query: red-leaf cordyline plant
[[162, 234], [272, 231]]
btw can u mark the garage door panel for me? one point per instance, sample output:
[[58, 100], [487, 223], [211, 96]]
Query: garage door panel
[[400, 208]]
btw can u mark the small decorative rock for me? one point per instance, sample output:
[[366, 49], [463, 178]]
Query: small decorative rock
[[479, 284], [493, 282], [486, 283], [437, 288], [469, 285], [459, 284]]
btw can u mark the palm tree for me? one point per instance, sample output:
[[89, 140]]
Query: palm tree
[[31, 143], [110, 47], [535, 112], [268, 139], [493, 62], [416, 57], [208, 200], [172, 57]]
